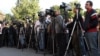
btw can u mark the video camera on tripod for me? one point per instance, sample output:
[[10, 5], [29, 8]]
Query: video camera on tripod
[[77, 25]]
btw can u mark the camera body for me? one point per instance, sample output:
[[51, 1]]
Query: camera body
[[41, 14], [50, 12], [65, 6], [77, 5]]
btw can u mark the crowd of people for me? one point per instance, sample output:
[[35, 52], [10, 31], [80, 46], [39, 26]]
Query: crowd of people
[[52, 33]]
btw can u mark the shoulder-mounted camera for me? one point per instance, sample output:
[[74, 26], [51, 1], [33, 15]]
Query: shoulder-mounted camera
[[41, 14], [65, 6], [50, 12]]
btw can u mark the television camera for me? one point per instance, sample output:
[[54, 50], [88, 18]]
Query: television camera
[[65, 6], [50, 12]]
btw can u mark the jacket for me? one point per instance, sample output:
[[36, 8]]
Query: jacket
[[91, 21]]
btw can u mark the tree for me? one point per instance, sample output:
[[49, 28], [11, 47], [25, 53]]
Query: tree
[[2, 16], [98, 10], [72, 4], [8, 17], [26, 8], [55, 7]]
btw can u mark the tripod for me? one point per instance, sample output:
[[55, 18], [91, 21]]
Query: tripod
[[30, 39], [99, 34], [53, 35], [70, 39]]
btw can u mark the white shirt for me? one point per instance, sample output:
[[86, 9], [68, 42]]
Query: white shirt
[[48, 19], [37, 26], [1, 28]]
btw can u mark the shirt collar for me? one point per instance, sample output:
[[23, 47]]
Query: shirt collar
[[89, 10]]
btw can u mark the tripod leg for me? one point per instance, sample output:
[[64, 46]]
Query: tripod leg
[[30, 38], [18, 43], [29, 42], [53, 47], [18, 38], [70, 39], [87, 44], [99, 41], [37, 43]]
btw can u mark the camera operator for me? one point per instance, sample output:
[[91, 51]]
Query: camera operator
[[11, 35], [48, 39], [90, 24], [22, 36], [5, 34], [59, 34], [40, 30], [1, 37]]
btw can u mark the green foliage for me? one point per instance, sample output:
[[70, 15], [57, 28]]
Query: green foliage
[[8, 17], [71, 13], [26, 8], [98, 10], [55, 7]]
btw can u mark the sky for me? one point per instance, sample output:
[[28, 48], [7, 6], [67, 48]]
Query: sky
[[47, 3], [7, 5]]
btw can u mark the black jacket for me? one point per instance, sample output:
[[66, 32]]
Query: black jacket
[[79, 19], [91, 21]]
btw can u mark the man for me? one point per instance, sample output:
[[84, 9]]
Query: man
[[90, 25], [11, 36], [5, 34], [40, 30], [48, 39], [22, 37], [59, 33], [1, 38]]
